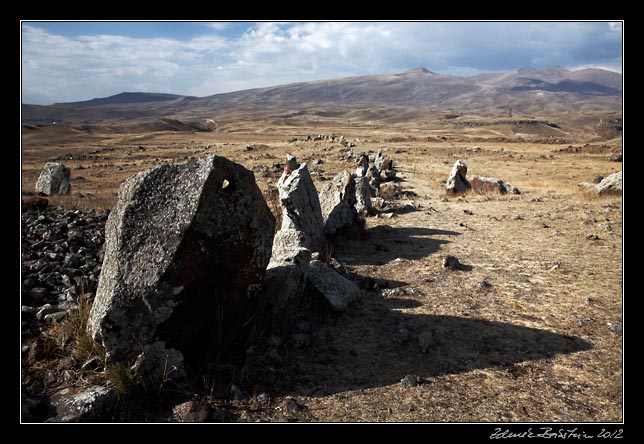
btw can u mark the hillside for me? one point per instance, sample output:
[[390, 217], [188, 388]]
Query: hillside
[[526, 90]]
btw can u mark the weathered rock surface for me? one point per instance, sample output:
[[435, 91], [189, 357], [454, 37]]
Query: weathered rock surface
[[616, 157], [185, 253], [338, 290], [457, 183], [483, 185], [611, 184], [90, 404], [385, 167], [362, 165], [54, 179], [302, 223], [363, 196], [338, 200]]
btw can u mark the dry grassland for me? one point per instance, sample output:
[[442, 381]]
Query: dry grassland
[[538, 345]]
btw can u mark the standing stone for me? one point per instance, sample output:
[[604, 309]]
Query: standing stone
[[301, 234], [54, 179], [457, 182], [301, 212], [363, 196], [374, 181], [383, 162], [362, 165], [338, 200], [612, 184], [186, 247]]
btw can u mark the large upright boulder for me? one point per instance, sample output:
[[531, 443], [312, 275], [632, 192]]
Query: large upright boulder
[[338, 200], [457, 183], [363, 196], [186, 248], [301, 234], [301, 212], [54, 179]]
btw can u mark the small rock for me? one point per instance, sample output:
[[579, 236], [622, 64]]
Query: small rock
[[616, 157], [55, 317], [451, 262], [292, 406], [264, 399], [483, 284], [410, 381], [425, 341], [236, 393], [191, 411], [598, 179], [468, 212], [592, 237], [614, 327], [557, 265]]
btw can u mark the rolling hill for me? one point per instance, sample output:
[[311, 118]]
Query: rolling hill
[[528, 90]]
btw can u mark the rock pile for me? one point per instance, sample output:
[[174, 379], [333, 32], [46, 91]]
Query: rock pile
[[186, 248], [61, 259], [54, 179]]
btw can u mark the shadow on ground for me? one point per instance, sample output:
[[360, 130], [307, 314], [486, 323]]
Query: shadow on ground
[[362, 349], [382, 244]]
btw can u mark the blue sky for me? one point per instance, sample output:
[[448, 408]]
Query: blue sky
[[70, 61]]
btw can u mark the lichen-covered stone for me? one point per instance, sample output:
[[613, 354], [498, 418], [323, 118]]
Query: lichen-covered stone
[[338, 290], [301, 212], [54, 179], [457, 183], [611, 184], [186, 247], [338, 200], [363, 196]]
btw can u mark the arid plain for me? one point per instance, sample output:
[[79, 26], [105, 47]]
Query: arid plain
[[541, 343]]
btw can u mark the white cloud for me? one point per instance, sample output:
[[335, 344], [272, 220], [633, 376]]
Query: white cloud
[[57, 68]]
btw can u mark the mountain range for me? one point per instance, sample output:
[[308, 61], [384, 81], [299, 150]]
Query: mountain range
[[527, 90]]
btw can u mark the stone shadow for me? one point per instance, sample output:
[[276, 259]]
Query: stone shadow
[[362, 348], [382, 244]]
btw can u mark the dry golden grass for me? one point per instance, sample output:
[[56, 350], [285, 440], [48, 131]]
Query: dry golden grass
[[533, 347]]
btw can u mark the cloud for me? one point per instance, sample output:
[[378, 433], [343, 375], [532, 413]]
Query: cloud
[[56, 67]]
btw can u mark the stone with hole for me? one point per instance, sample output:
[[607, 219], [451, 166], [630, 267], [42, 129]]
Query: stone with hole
[[186, 248]]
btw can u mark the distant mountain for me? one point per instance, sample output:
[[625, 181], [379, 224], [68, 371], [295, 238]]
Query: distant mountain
[[528, 89], [127, 98]]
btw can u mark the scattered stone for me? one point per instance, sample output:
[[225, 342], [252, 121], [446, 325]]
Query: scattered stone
[[182, 243], [191, 411], [290, 405], [338, 200], [614, 327], [91, 404], [451, 262], [410, 381], [483, 284], [592, 237], [557, 265], [425, 341], [54, 179], [468, 212], [264, 399], [482, 185], [457, 183], [615, 157], [337, 290], [390, 190]]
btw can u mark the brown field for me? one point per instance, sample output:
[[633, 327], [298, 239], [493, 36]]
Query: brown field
[[533, 347]]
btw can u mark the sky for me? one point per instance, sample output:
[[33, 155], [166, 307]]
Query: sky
[[74, 61]]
